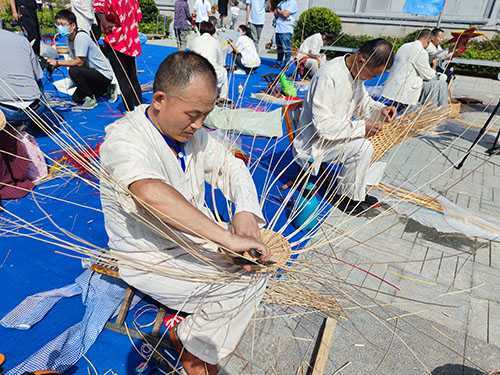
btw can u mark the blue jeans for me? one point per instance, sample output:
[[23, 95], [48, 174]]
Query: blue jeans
[[284, 47]]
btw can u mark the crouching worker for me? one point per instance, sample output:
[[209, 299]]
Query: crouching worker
[[339, 116], [160, 155], [89, 69]]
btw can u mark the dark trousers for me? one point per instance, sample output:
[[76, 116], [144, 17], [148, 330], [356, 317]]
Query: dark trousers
[[126, 74], [88, 82], [284, 47], [239, 64], [29, 22]]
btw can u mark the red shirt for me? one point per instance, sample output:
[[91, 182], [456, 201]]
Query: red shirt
[[126, 15]]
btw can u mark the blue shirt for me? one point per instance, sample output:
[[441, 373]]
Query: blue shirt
[[285, 25], [257, 11]]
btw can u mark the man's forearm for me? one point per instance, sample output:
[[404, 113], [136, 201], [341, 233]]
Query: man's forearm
[[13, 7], [174, 210]]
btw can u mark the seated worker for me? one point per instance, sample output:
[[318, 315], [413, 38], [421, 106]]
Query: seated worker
[[246, 56], [327, 129], [209, 47], [20, 79], [89, 69], [404, 85], [309, 53], [161, 155], [440, 59]]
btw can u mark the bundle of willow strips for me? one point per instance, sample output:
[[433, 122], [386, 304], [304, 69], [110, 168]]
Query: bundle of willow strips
[[415, 198], [297, 295], [407, 126]]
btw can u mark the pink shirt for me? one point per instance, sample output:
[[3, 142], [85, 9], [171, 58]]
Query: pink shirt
[[126, 15]]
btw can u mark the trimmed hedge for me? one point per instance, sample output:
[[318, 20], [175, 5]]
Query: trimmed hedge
[[315, 20]]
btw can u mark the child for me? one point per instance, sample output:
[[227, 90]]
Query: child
[[235, 13]]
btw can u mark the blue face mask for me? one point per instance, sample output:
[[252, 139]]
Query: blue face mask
[[63, 30]]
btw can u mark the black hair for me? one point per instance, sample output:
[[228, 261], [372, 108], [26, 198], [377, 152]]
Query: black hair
[[207, 27], [66, 15], [178, 69], [246, 30], [377, 52], [424, 33], [435, 31]]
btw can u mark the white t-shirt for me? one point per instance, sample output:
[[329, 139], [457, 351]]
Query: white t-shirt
[[235, 11], [249, 55], [257, 11], [209, 47], [312, 45], [202, 9]]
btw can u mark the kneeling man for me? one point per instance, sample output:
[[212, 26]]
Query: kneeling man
[[158, 159], [339, 116]]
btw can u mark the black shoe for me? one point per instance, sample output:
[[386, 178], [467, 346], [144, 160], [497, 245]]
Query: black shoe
[[371, 201], [350, 206]]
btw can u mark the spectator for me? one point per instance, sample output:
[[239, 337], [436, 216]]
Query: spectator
[[89, 69], [222, 7], [310, 56], [202, 11], [284, 20], [182, 23], [85, 17], [256, 17], [24, 12], [246, 55], [119, 21], [20, 79], [235, 13], [209, 47], [440, 58]]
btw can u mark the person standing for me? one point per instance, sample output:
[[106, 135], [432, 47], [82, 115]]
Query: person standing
[[89, 69], [202, 11], [24, 12], [440, 58], [284, 20], [222, 5], [256, 17], [182, 23], [119, 21], [85, 17]]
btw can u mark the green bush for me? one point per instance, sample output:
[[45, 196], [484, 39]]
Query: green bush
[[149, 11], [315, 20], [151, 27], [45, 18]]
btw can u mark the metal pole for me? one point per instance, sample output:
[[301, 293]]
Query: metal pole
[[438, 24]]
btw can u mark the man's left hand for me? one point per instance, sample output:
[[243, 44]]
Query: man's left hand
[[389, 113], [245, 224], [52, 62]]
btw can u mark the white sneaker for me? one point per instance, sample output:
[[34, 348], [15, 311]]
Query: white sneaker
[[113, 93], [89, 103]]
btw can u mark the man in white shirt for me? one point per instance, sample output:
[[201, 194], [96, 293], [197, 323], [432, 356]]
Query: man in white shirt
[[309, 53], [157, 160], [440, 58], [209, 47], [256, 18], [411, 67], [338, 117], [284, 22]]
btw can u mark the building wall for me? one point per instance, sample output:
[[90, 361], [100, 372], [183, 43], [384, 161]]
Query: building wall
[[385, 17]]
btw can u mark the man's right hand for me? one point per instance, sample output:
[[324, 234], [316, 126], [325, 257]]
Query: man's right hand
[[106, 25], [372, 128], [241, 244], [15, 16]]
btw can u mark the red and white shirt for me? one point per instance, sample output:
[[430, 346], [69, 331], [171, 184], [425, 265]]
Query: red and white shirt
[[126, 15]]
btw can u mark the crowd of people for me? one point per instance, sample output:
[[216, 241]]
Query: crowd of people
[[161, 155]]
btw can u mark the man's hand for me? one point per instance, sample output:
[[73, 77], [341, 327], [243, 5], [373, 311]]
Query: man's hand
[[106, 25], [52, 62], [372, 128], [389, 113], [15, 16], [245, 224]]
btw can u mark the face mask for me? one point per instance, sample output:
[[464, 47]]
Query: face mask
[[63, 30]]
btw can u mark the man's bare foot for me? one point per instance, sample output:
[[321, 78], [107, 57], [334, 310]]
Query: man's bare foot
[[191, 364]]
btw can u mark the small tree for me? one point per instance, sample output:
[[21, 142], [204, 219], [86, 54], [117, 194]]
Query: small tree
[[316, 20], [149, 11]]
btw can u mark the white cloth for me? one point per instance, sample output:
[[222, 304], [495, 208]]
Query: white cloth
[[202, 9], [411, 67], [328, 130], [249, 55], [84, 13], [210, 48], [134, 150], [312, 45]]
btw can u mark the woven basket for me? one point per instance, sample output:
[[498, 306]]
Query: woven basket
[[415, 198], [455, 109], [407, 126]]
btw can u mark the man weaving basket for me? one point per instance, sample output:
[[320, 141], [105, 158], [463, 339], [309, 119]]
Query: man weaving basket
[[158, 159]]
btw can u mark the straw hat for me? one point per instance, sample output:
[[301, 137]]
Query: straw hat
[[3, 121]]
